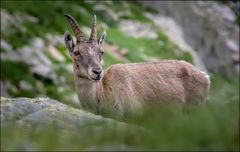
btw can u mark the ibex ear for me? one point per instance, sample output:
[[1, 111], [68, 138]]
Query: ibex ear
[[102, 38], [69, 42]]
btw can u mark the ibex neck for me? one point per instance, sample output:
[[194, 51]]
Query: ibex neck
[[90, 93]]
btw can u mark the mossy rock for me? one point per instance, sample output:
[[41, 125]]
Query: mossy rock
[[46, 124], [45, 111]]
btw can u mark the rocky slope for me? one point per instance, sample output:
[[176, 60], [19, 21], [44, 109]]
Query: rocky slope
[[35, 65]]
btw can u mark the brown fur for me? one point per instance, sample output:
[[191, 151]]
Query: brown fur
[[130, 87]]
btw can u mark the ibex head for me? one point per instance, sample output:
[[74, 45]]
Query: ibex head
[[86, 53]]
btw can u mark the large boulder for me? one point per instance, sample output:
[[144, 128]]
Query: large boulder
[[45, 124], [45, 111]]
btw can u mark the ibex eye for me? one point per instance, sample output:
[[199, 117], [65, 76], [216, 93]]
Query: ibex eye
[[77, 53]]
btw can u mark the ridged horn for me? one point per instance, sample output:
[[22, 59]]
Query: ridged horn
[[93, 36], [76, 29]]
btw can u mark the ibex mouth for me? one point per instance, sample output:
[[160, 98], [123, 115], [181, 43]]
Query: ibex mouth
[[96, 75], [97, 78]]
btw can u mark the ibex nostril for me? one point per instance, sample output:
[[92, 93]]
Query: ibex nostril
[[97, 71]]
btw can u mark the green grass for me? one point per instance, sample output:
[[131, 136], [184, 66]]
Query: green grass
[[51, 21], [109, 60], [138, 46], [15, 71], [224, 90]]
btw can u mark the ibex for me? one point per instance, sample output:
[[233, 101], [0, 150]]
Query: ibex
[[130, 87]]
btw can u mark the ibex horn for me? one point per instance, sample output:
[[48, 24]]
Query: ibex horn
[[75, 27], [93, 36]]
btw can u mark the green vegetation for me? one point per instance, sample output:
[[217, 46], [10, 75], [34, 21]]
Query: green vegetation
[[211, 127], [214, 126], [238, 20], [109, 60], [139, 46], [15, 72]]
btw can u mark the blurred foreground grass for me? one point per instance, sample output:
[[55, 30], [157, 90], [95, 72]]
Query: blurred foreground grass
[[211, 127]]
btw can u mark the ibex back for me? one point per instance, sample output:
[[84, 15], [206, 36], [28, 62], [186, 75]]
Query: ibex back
[[130, 87]]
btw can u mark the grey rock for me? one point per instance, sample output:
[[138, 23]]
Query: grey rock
[[55, 39], [24, 85], [45, 111], [11, 22], [175, 33], [6, 20], [109, 14], [207, 26], [14, 109], [34, 56], [37, 43], [138, 29], [5, 45], [3, 89]]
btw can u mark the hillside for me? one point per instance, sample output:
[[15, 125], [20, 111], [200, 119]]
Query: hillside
[[35, 64]]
